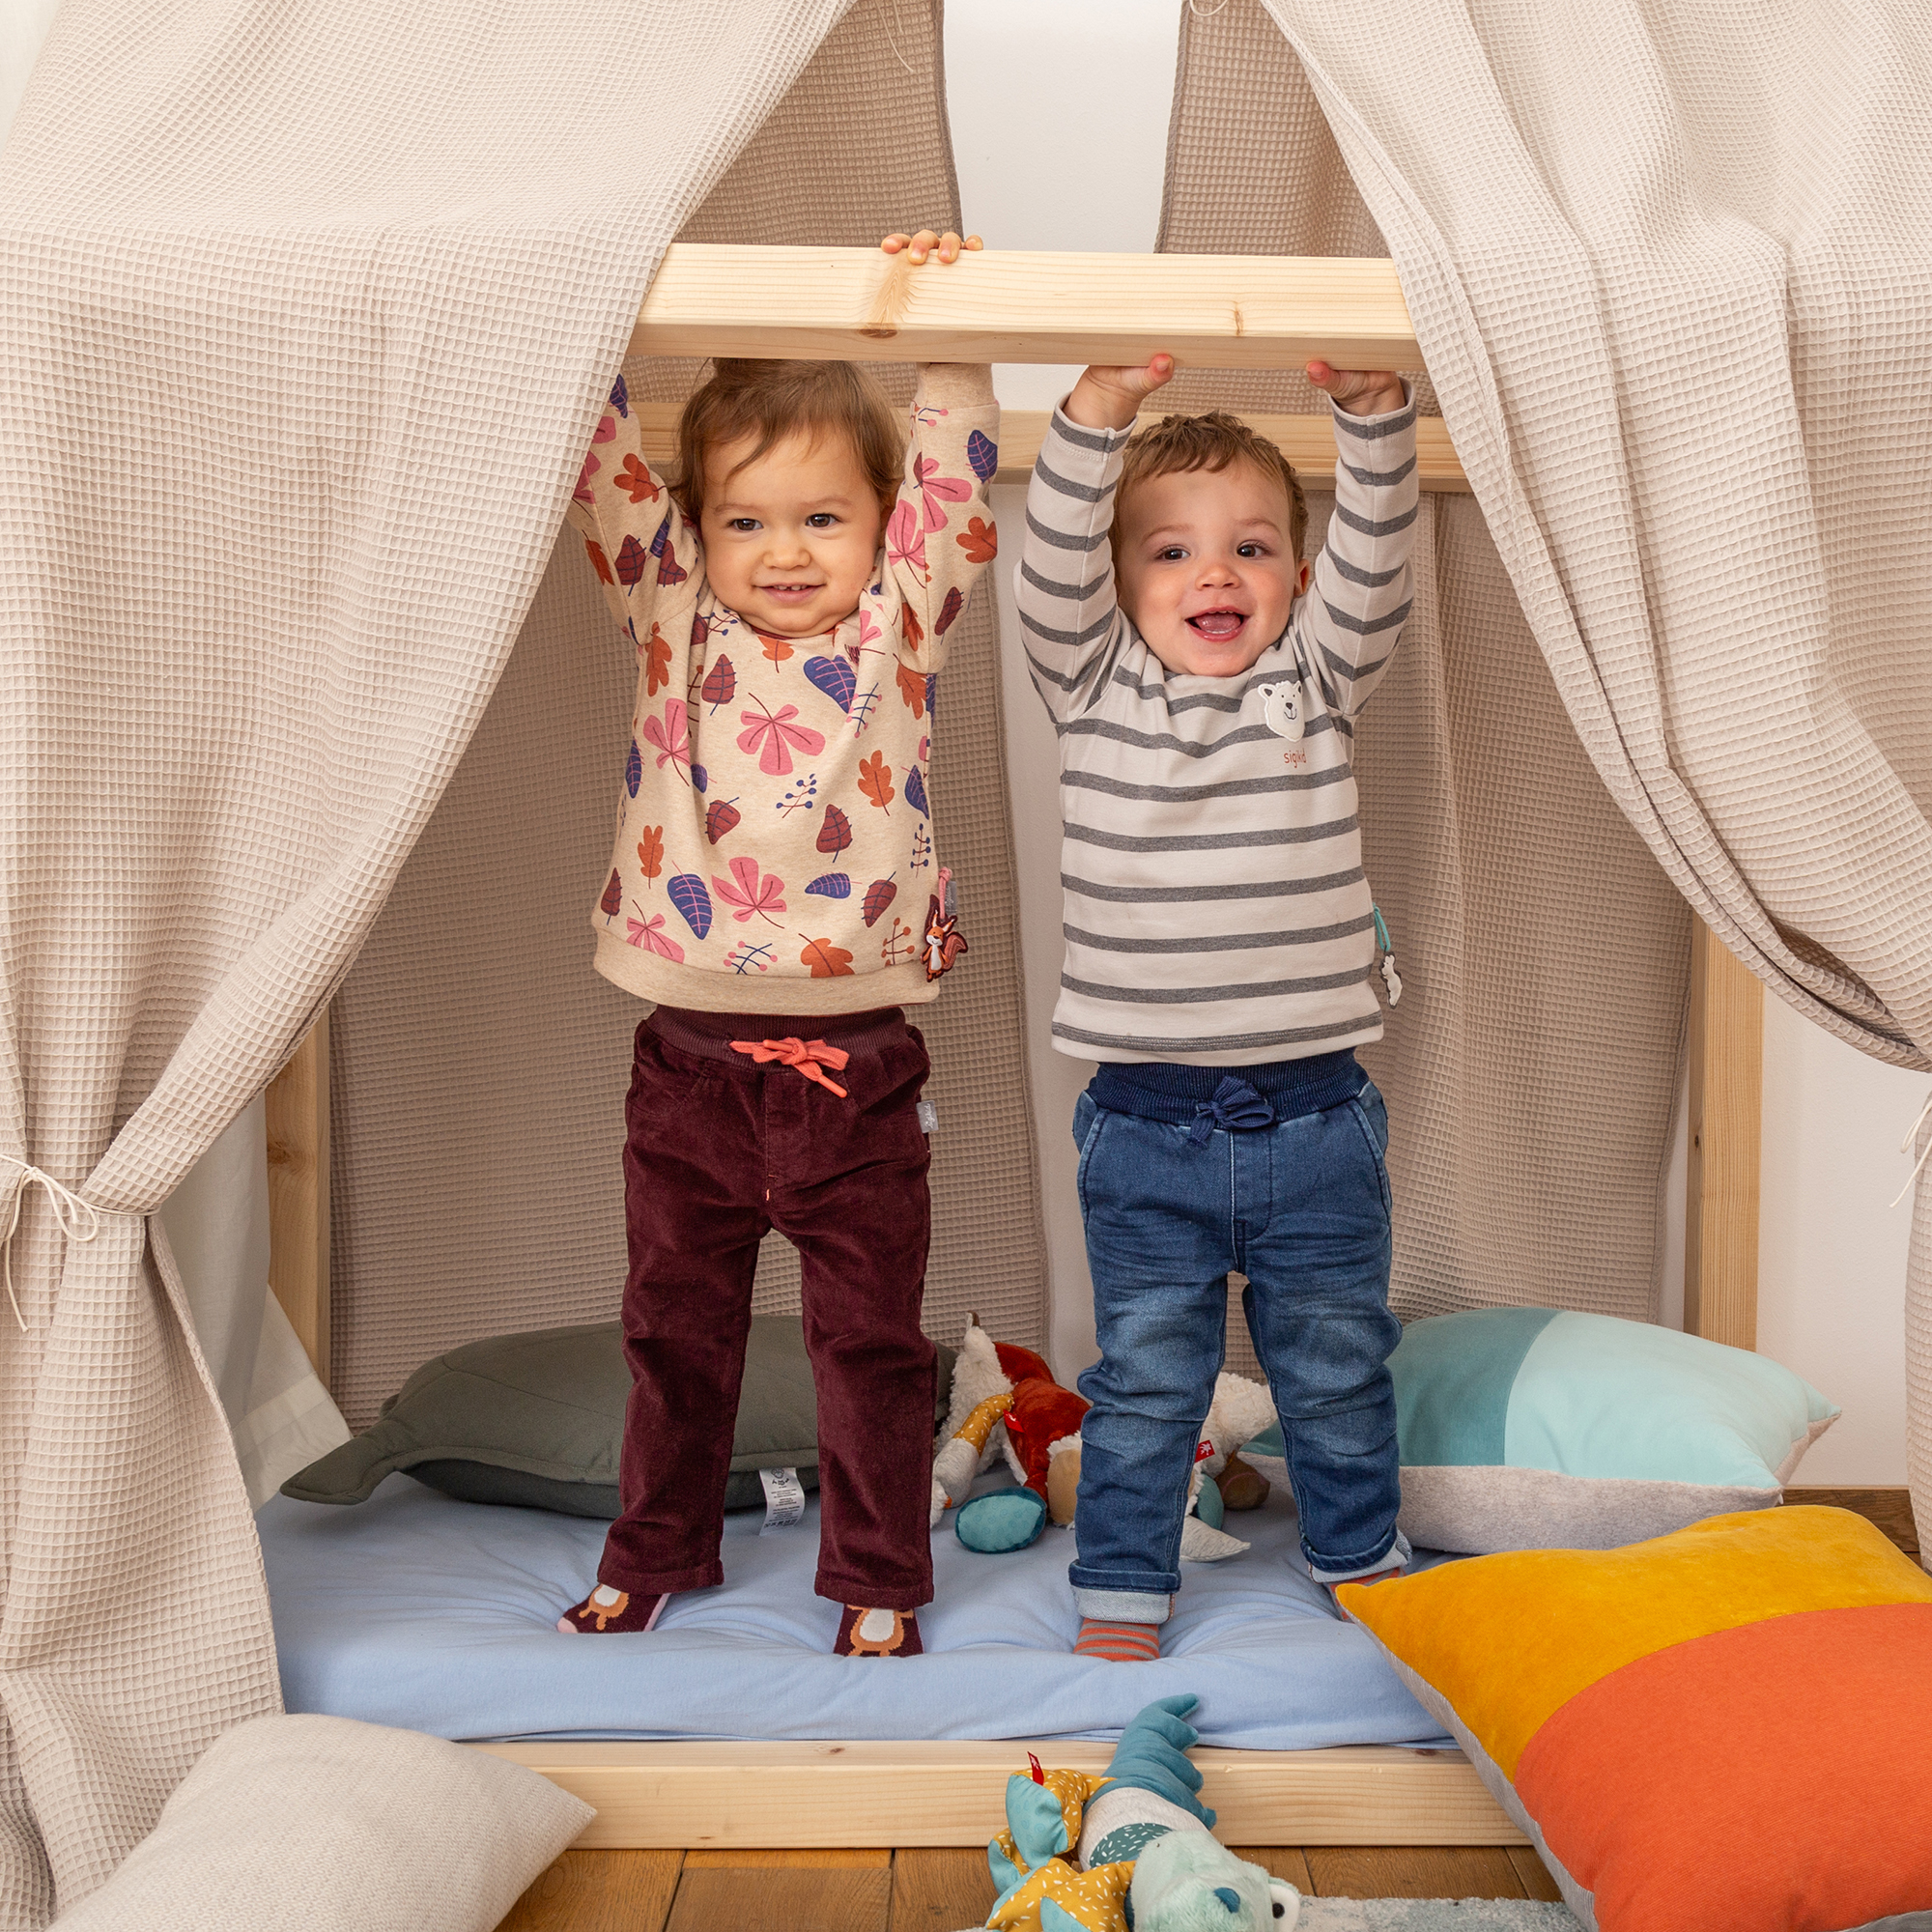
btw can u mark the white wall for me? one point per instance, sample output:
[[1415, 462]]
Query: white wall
[[1059, 113]]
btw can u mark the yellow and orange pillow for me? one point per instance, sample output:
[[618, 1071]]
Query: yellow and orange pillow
[[1727, 1729]]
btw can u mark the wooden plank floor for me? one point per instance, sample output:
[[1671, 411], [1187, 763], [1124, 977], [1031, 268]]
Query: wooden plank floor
[[931, 1891]]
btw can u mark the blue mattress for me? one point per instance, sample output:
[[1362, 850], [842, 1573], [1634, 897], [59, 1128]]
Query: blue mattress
[[418, 1610]]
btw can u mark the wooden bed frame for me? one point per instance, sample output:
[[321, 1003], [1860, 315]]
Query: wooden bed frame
[[1213, 312]]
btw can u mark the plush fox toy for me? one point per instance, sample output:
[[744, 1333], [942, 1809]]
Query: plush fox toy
[[1005, 1402]]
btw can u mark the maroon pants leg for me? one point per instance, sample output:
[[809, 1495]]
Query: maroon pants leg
[[693, 1183], [849, 1191]]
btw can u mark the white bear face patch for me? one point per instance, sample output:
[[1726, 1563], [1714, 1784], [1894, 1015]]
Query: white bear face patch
[[1282, 710]]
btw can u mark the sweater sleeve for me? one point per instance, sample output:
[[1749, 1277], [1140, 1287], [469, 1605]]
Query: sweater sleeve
[[1359, 595], [940, 535], [1064, 584], [644, 552]]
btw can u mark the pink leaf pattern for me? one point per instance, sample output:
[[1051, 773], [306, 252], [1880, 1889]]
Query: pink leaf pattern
[[936, 492], [669, 735], [650, 935], [905, 540], [745, 889], [774, 737]]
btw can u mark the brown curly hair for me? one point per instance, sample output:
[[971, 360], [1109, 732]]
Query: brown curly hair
[[1211, 442], [773, 400]]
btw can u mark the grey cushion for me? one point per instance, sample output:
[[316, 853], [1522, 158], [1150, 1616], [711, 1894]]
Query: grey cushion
[[537, 1419]]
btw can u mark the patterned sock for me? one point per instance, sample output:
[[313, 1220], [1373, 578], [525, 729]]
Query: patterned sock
[[606, 1610], [863, 1633], [1118, 1642]]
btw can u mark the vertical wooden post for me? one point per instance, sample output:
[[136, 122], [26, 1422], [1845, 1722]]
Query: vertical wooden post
[[1726, 1112], [297, 1109]]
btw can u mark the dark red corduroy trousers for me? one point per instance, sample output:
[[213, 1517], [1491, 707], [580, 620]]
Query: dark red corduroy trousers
[[718, 1150]]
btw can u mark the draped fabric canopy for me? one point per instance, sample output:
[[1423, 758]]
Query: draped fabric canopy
[[1670, 265], [307, 310]]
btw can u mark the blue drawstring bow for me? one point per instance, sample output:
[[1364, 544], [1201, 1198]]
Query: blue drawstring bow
[[1235, 1109]]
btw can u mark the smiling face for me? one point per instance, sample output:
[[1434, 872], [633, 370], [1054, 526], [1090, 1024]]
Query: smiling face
[[790, 540], [1207, 568]]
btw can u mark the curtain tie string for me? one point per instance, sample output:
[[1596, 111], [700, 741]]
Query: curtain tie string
[[79, 1220], [807, 1055], [1905, 1146]]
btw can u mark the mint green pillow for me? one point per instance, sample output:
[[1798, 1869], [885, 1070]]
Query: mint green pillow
[[1545, 1429]]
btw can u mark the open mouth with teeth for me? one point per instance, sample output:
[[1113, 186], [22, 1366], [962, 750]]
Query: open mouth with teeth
[[790, 592], [1217, 627]]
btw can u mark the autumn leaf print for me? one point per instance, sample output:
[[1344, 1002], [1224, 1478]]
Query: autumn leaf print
[[832, 886], [656, 655], [905, 541], [879, 895], [915, 791], [650, 935], [936, 490], [876, 781], [651, 851], [612, 901], [584, 494], [912, 687], [721, 683], [775, 648], [636, 481], [599, 560], [774, 736], [979, 540], [634, 769], [933, 695], [671, 571], [983, 455], [669, 735], [835, 833], [621, 397], [868, 633], [955, 602], [910, 628], [607, 428], [720, 820], [688, 895], [747, 891], [826, 960], [631, 558], [833, 676]]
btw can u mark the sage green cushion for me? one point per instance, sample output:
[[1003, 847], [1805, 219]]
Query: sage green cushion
[[537, 1419]]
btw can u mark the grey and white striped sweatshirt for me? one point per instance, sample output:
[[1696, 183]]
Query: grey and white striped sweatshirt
[[1216, 911]]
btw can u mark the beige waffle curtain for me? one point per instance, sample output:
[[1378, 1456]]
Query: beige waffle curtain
[[1670, 264], [478, 1089], [306, 311], [1531, 1064]]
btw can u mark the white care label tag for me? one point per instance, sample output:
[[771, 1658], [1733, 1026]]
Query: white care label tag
[[784, 1498], [928, 1118]]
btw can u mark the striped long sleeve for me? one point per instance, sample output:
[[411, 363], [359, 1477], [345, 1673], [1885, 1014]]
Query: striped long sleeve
[[1215, 909]]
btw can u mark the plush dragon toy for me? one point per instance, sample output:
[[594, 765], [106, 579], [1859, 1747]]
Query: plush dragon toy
[[1130, 1851]]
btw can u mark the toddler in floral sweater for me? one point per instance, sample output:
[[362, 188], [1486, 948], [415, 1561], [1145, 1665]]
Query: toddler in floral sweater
[[775, 890]]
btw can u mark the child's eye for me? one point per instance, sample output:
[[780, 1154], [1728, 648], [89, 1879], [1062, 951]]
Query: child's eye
[[1169, 553], [742, 524], [1251, 550], [820, 519]]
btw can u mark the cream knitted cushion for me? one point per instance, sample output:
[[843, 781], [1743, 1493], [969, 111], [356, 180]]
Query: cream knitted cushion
[[303, 1822]]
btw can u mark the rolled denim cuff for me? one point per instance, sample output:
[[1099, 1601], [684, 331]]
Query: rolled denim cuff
[[1122, 1606], [1393, 1555]]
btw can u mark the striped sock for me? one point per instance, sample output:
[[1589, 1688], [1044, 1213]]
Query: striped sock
[[1118, 1642]]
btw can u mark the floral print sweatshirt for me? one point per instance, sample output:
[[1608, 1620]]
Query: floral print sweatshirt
[[775, 847]]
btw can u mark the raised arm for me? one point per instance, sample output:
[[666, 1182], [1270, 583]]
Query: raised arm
[[638, 542], [940, 535], [1360, 592]]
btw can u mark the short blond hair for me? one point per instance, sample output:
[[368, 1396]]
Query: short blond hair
[[1177, 445], [773, 400]]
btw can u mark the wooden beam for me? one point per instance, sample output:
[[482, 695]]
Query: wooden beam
[[858, 304], [728, 1796], [1307, 442], [297, 1133], [1725, 1130]]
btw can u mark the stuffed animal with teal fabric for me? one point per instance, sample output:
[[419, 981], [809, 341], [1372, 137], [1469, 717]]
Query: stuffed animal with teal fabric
[[1132, 1850]]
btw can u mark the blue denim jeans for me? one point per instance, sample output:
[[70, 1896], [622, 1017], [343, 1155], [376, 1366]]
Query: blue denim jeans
[[1301, 1207]]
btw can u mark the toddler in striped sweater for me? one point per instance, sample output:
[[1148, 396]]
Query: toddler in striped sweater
[[1221, 944]]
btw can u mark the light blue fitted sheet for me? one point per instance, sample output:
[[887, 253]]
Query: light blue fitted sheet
[[418, 1610]]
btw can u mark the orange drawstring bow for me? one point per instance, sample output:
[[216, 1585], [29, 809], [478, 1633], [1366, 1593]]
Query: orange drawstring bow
[[803, 1054]]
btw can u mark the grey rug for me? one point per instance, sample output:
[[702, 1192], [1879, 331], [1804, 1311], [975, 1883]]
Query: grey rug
[[1432, 1915]]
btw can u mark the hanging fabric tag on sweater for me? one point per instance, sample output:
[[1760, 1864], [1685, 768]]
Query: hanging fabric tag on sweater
[[928, 1118], [784, 1498]]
